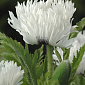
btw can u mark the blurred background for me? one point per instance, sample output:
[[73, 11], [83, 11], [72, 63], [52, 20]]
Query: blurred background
[[9, 5]]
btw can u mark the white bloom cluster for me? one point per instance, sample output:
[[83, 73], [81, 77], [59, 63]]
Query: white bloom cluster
[[78, 42], [10, 73], [44, 22]]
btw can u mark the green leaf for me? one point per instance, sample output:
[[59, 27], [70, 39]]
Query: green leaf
[[39, 71], [58, 54], [73, 35], [66, 53], [77, 60], [27, 56], [44, 80], [78, 80], [34, 63], [80, 24], [12, 57], [2, 49], [13, 50]]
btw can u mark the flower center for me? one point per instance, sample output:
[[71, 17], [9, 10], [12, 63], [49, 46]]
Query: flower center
[[43, 41]]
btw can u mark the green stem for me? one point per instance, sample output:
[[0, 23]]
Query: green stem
[[49, 55]]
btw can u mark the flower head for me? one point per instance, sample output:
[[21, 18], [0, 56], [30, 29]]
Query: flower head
[[10, 74], [44, 22], [78, 42]]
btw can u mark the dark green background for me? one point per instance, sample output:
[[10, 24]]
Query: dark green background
[[6, 5]]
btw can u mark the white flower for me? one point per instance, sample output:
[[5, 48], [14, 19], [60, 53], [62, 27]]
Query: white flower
[[10, 74], [44, 22], [78, 42]]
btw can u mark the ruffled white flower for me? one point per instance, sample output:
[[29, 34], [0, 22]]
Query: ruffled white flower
[[10, 73], [78, 42], [44, 22]]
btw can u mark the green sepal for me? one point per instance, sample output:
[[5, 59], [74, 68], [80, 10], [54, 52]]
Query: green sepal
[[62, 73]]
